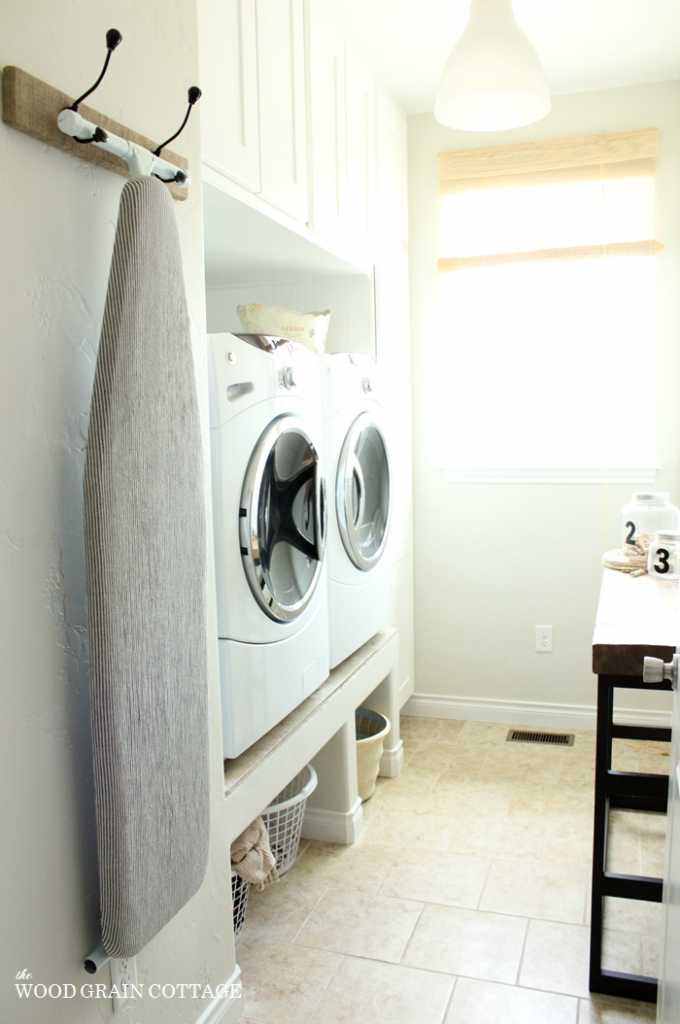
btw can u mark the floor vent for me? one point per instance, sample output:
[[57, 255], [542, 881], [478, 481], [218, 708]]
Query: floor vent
[[554, 738]]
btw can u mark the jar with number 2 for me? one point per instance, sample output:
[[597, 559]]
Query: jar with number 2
[[648, 512], [664, 555]]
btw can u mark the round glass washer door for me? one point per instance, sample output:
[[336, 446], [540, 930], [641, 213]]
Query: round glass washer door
[[363, 493], [282, 519]]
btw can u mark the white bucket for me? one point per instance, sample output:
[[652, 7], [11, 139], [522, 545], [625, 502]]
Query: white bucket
[[371, 730]]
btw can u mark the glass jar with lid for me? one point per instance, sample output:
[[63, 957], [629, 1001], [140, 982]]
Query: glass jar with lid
[[664, 555], [647, 512]]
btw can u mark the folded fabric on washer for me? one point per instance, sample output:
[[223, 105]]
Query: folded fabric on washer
[[251, 855]]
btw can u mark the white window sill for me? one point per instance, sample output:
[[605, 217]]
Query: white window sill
[[644, 475]]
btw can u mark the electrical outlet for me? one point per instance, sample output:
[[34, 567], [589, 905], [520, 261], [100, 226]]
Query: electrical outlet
[[123, 973], [544, 639]]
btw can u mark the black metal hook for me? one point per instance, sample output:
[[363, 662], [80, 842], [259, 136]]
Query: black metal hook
[[113, 39], [194, 96]]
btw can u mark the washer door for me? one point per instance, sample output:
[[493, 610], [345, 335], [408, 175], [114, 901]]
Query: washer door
[[282, 520], [363, 492]]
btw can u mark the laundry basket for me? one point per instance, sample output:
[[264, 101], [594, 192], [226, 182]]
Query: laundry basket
[[239, 898], [283, 818], [371, 730]]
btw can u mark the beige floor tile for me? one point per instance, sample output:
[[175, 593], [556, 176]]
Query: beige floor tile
[[657, 764], [377, 927], [283, 984], [625, 756], [632, 916], [368, 992], [546, 891], [532, 800], [522, 762], [556, 958], [371, 807], [621, 951], [452, 758], [409, 747], [468, 942], [609, 1010], [650, 955], [434, 877], [486, 1002], [417, 827], [577, 771], [652, 855], [279, 911], [650, 822], [585, 744], [452, 793], [569, 841], [484, 732], [623, 851], [441, 729], [360, 866], [506, 838], [411, 786]]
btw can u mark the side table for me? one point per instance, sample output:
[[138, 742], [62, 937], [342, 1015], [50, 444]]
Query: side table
[[636, 618]]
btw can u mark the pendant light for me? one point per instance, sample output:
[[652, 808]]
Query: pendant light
[[493, 79]]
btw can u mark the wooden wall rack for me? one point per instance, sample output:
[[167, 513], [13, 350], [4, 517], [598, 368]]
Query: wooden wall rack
[[33, 106]]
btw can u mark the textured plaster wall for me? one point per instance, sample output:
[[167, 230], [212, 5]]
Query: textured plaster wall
[[57, 217], [474, 620]]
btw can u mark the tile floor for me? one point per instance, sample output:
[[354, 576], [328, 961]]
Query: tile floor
[[466, 900]]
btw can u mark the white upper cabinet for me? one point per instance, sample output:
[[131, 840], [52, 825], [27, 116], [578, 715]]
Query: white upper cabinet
[[291, 113], [360, 116], [281, 80], [326, 123], [391, 168], [229, 107]]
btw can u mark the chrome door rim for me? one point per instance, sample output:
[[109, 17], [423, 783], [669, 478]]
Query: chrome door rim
[[349, 471], [257, 573]]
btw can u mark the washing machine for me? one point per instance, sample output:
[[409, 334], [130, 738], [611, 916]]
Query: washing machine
[[269, 508], [359, 495]]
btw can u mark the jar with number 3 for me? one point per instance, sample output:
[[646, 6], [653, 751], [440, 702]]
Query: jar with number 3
[[664, 555]]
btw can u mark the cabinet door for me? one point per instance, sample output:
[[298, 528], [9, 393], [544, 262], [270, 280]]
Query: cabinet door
[[326, 123], [228, 108], [391, 168], [281, 80], [360, 109]]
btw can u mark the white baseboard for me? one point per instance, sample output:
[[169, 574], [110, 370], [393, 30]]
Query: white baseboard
[[520, 712], [392, 761], [225, 1009], [334, 826]]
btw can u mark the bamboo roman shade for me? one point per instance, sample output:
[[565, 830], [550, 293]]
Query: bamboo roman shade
[[563, 199]]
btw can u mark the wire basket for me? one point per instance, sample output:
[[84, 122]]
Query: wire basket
[[239, 898], [283, 818]]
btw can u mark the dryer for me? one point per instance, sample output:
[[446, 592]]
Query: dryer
[[269, 509], [360, 495]]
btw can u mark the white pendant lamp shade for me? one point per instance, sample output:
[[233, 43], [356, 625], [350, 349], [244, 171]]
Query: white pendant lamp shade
[[493, 78]]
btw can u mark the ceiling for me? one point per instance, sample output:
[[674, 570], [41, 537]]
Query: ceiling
[[584, 44]]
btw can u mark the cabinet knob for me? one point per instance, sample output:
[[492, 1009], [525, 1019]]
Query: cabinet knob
[[657, 671]]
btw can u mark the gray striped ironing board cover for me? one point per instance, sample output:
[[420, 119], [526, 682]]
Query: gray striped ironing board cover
[[145, 540]]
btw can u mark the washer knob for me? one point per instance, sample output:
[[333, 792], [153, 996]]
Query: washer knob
[[366, 385], [288, 377]]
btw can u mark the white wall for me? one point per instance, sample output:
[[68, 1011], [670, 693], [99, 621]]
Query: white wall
[[58, 217], [350, 299], [474, 628]]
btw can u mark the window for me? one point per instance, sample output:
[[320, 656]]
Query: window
[[546, 353]]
